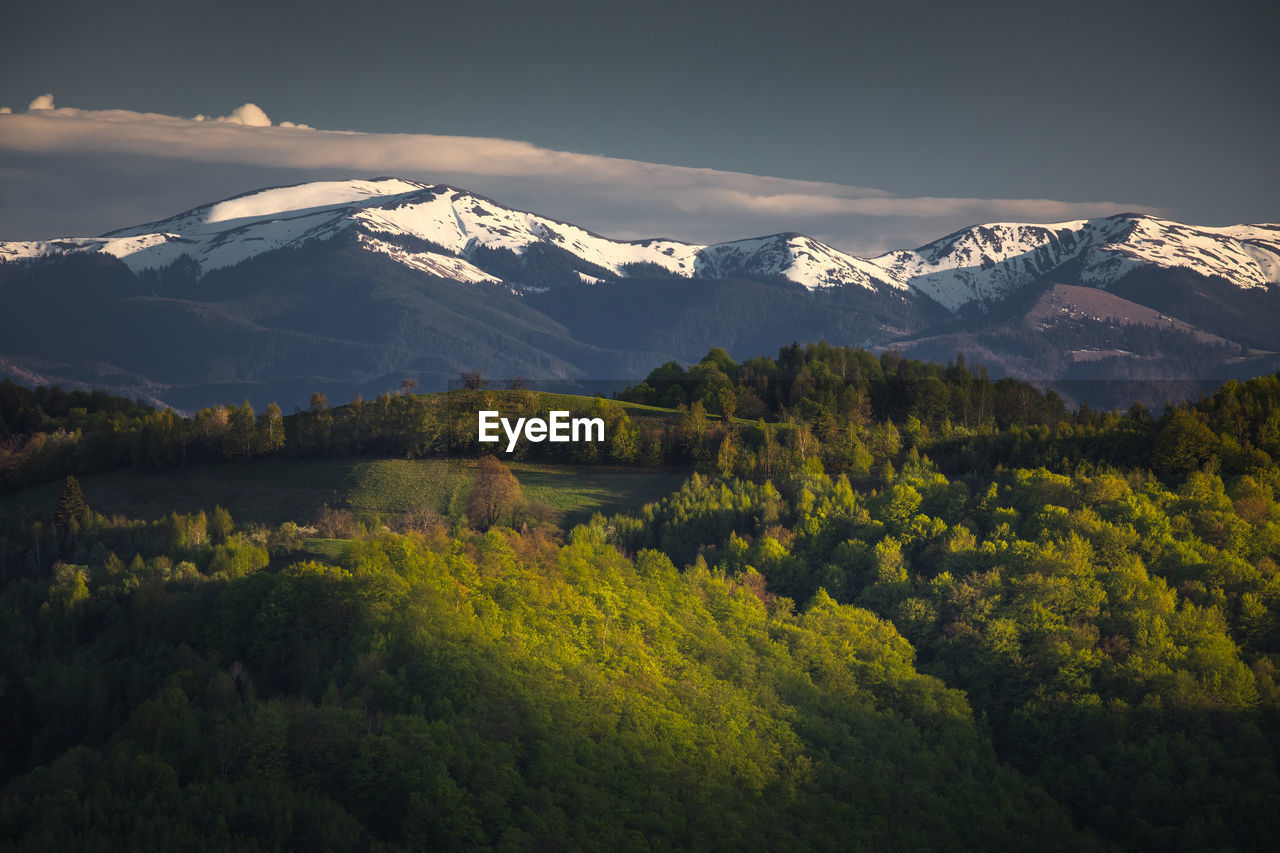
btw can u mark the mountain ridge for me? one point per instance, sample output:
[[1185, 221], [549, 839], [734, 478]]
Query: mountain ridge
[[969, 269], [353, 286]]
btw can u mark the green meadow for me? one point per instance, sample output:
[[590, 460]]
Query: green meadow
[[278, 490]]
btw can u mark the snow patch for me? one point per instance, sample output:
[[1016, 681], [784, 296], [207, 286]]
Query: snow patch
[[433, 263]]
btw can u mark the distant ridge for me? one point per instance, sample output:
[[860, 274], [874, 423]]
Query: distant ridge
[[446, 231]]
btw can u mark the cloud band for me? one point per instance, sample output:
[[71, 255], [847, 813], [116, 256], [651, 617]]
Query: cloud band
[[618, 194]]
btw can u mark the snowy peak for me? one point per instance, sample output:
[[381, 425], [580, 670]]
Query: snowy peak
[[1247, 255], [986, 263], [794, 257], [276, 203], [460, 222], [979, 267]]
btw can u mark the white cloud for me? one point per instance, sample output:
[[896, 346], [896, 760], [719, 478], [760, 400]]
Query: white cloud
[[623, 198], [250, 115], [41, 102]]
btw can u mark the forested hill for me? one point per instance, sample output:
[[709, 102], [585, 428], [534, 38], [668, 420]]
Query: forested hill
[[47, 433], [676, 416], [897, 606]]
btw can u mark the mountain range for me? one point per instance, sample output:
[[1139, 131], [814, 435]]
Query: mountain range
[[352, 286]]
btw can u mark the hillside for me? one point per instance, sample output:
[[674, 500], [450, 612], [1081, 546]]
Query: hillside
[[937, 611]]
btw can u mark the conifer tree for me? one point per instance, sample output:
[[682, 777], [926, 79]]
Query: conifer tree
[[71, 505]]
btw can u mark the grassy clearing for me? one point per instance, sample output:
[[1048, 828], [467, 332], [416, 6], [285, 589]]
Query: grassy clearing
[[543, 400], [325, 550], [277, 490]]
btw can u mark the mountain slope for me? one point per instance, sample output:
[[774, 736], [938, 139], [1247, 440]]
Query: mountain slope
[[327, 316], [332, 316]]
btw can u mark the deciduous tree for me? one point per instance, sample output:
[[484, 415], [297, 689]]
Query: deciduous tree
[[496, 493]]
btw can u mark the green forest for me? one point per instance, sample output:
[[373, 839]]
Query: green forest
[[888, 605]]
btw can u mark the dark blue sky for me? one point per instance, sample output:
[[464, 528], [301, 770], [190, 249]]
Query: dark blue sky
[[1174, 105]]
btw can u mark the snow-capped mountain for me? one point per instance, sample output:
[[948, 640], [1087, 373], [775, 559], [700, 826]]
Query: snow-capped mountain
[[352, 286], [382, 212], [456, 224], [451, 234], [983, 265]]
